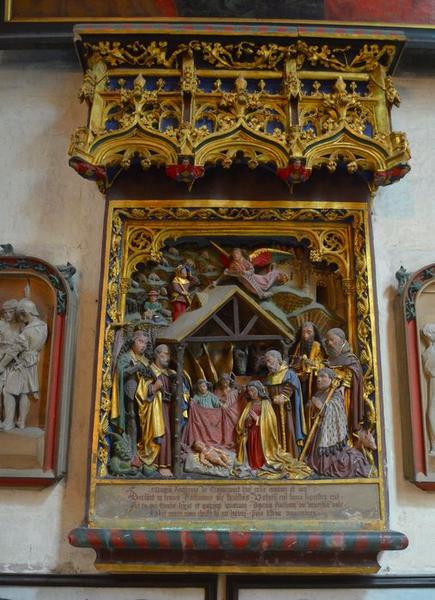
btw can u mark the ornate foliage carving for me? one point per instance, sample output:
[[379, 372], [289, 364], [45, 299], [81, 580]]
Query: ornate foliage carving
[[335, 110], [268, 103], [243, 55]]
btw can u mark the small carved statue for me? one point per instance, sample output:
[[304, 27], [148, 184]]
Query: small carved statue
[[229, 396], [180, 297], [131, 366], [153, 311], [211, 456], [307, 357], [155, 397], [243, 269], [428, 358], [122, 460], [348, 367], [254, 425], [258, 447], [204, 397], [327, 444], [19, 365], [241, 359], [284, 388]]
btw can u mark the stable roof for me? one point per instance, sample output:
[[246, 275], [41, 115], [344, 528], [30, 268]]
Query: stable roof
[[227, 314]]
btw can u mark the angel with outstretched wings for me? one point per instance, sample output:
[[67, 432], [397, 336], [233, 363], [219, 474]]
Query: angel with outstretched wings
[[242, 268]]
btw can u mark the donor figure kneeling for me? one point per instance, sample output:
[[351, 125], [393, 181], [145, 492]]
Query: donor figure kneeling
[[258, 446], [327, 449]]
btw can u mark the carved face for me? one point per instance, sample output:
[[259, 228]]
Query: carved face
[[202, 387], [272, 363], [224, 384], [334, 344], [252, 392], [323, 381], [307, 333], [139, 345], [8, 314], [237, 254], [23, 316], [163, 357]]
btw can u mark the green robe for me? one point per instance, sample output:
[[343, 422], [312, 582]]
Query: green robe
[[207, 400]]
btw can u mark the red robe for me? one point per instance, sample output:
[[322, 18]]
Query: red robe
[[254, 449]]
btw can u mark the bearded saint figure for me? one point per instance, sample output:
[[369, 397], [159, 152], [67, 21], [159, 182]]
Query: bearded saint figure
[[307, 355], [348, 367], [284, 389], [329, 453], [156, 402]]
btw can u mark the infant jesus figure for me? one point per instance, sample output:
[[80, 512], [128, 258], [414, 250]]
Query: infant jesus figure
[[211, 456]]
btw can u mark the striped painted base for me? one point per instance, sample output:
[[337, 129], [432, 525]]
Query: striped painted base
[[156, 550]]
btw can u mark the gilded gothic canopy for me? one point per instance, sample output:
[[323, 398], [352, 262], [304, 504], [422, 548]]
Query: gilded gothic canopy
[[190, 97]]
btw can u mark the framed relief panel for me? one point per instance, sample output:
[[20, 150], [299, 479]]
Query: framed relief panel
[[37, 308], [237, 414], [417, 316]]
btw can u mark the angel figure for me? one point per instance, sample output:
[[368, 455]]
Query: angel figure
[[243, 269]]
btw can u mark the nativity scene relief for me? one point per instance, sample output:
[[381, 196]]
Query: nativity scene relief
[[232, 360]]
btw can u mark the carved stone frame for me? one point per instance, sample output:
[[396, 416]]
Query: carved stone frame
[[419, 465], [58, 375]]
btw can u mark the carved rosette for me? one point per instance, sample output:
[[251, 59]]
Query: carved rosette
[[293, 106]]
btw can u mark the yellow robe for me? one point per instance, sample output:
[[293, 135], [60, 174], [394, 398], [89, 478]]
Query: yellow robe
[[310, 372], [151, 418], [317, 357], [281, 462]]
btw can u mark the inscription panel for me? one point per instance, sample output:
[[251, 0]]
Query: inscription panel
[[326, 505]]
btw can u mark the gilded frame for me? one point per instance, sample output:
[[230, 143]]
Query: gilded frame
[[175, 217]]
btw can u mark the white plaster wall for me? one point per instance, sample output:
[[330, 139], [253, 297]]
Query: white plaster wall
[[47, 210], [403, 219], [50, 212]]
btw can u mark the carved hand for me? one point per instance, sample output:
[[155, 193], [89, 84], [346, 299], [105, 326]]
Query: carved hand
[[280, 399], [157, 386], [316, 402]]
